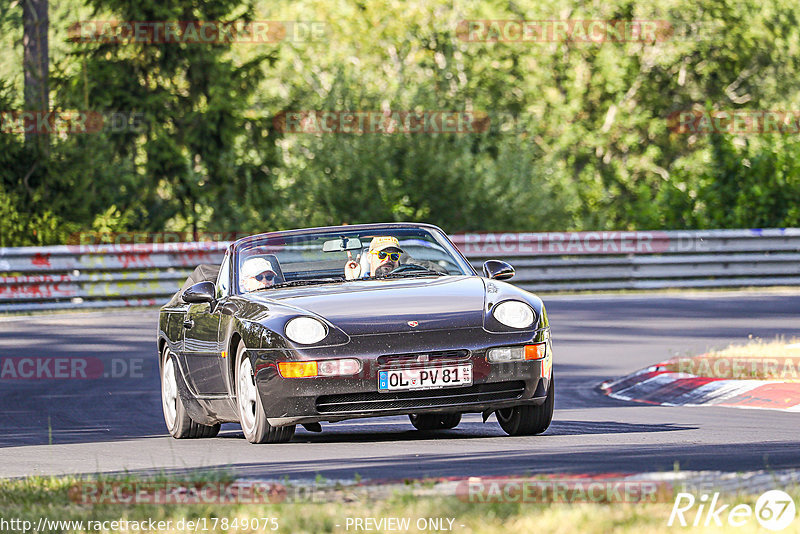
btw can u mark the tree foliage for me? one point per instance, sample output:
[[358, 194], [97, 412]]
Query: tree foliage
[[579, 136]]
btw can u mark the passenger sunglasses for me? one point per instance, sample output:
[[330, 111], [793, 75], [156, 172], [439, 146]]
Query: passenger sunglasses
[[261, 277], [394, 256]]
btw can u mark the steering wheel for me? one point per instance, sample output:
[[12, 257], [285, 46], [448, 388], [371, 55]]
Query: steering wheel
[[408, 267]]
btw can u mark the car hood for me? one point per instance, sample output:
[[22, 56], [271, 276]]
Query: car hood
[[393, 305]]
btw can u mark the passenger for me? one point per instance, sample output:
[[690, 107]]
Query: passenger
[[257, 273]]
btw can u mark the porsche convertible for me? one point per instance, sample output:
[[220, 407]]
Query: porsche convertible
[[327, 324]]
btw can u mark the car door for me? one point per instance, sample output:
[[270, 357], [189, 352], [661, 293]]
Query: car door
[[202, 345]]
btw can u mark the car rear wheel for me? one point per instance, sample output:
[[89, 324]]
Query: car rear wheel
[[526, 419], [179, 424], [435, 421], [252, 417]]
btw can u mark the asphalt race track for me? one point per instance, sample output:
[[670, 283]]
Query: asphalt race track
[[114, 423]]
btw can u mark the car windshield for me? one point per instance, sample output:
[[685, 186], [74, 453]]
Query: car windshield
[[319, 257]]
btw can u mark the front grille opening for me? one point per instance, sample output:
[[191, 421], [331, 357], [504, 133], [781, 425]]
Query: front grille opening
[[412, 357], [374, 401]]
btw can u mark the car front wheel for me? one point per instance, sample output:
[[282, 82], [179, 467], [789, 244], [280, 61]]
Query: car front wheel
[[526, 419], [179, 424], [435, 421], [254, 422]]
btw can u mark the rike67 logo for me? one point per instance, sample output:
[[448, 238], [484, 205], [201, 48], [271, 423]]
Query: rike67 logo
[[774, 510]]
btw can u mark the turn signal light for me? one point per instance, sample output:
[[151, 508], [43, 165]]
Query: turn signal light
[[535, 352], [297, 369], [340, 367]]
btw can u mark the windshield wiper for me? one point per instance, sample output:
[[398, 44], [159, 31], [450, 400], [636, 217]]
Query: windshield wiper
[[303, 282]]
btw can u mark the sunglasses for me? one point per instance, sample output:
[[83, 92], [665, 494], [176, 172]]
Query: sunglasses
[[394, 256], [265, 277]]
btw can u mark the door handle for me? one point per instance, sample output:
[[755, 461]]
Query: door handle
[[188, 323]]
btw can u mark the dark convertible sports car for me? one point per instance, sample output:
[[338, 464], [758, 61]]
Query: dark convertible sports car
[[328, 324]]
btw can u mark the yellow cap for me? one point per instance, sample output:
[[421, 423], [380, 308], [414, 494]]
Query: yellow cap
[[383, 242]]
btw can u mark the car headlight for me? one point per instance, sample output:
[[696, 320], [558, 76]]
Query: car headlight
[[514, 314], [306, 330]]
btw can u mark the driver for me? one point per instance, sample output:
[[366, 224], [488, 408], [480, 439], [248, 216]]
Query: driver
[[257, 273], [383, 257]]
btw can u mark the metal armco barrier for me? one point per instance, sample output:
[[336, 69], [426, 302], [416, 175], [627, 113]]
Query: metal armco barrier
[[40, 278], [77, 276]]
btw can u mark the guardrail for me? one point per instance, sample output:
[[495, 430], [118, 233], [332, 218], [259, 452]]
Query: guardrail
[[40, 278]]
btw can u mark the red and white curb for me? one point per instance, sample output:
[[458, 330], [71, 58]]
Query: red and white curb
[[657, 385]]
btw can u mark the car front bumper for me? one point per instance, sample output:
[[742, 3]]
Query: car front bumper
[[289, 401]]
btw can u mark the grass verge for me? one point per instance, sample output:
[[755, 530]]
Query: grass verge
[[53, 498]]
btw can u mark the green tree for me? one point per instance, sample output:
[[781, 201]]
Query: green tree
[[195, 160]]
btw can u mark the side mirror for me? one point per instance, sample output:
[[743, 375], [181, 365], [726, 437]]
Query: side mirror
[[497, 270], [199, 293]]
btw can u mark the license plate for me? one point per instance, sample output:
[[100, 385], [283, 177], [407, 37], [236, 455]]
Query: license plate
[[425, 378]]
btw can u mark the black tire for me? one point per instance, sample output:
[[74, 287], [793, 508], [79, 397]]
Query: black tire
[[527, 419], [179, 424], [435, 421], [252, 416]]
